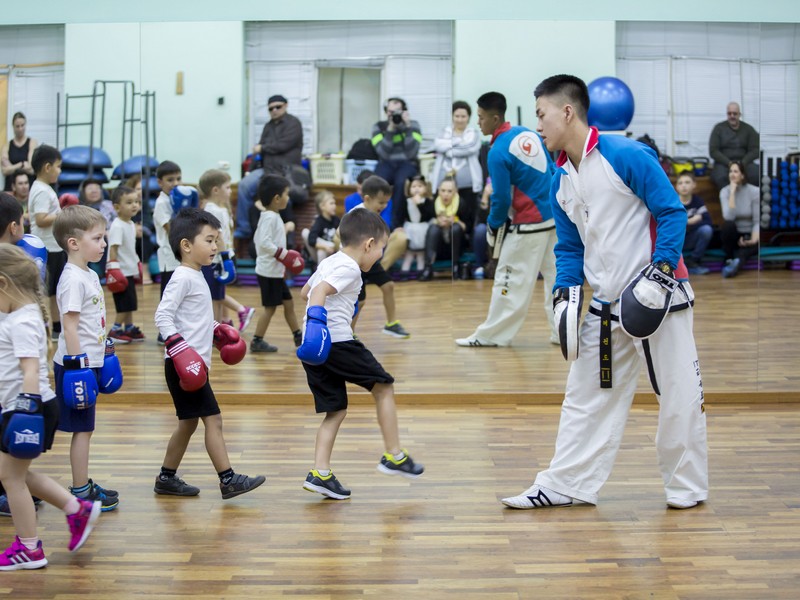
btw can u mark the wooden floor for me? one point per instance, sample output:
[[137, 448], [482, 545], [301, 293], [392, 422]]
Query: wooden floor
[[746, 330], [444, 535]]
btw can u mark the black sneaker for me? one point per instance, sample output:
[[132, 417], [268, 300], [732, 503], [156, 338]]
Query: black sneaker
[[174, 486], [298, 338], [395, 330], [107, 492], [262, 345], [160, 340], [96, 493], [240, 484], [405, 466], [327, 486]]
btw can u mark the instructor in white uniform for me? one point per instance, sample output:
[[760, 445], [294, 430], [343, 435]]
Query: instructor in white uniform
[[616, 215]]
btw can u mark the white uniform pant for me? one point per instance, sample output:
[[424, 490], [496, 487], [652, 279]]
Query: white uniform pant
[[522, 257], [593, 419]]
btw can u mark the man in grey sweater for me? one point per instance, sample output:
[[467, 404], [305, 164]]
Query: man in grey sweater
[[733, 139]]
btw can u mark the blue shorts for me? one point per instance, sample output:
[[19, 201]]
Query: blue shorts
[[217, 288], [69, 419]]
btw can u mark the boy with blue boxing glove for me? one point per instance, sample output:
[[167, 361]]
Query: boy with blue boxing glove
[[332, 357]]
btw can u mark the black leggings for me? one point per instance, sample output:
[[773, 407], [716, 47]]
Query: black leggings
[[730, 235]]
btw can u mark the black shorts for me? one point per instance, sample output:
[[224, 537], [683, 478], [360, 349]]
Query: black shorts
[[274, 291], [50, 414], [126, 301], [377, 275], [348, 362], [217, 289], [189, 405], [165, 277], [56, 261]]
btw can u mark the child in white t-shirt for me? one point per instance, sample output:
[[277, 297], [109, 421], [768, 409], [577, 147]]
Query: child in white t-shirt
[[81, 231]]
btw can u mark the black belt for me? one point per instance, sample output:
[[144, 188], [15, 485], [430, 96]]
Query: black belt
[[529, 228]]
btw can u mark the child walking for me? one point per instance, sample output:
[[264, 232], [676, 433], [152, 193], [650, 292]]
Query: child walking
[[81, 351], [123, 265], [184, 319], [215, 191], [25, 393], [332, 357], [272, 260]]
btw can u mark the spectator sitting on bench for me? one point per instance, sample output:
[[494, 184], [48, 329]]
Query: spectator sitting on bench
[[698, 225], [739, 201], [447, 232]]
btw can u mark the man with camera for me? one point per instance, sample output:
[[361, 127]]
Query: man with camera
[[396, 141]]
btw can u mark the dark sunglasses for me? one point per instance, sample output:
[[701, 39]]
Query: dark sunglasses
[[276, 107]]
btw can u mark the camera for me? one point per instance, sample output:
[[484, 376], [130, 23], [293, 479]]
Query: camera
[[397, 117]]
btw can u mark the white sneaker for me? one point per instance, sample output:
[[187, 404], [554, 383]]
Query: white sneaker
[[554, 339], [537, 496], [681, 504], [475, 343]]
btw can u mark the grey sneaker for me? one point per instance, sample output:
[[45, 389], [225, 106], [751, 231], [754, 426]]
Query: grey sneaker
[[395, 330], [174, 486], [95, 493], [261, 345], [240, 484], [327, 486], [405, 466]]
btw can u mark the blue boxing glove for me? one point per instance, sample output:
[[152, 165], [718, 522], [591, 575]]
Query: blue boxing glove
[[110, 378], [23, 427], [36, 250], [225, 272], [79, 386], [183, 196], [317, 339]]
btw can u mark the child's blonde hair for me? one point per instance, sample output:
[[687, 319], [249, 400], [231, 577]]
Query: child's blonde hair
[[20, 278], [74, 221], [321, 197], [211, 179]]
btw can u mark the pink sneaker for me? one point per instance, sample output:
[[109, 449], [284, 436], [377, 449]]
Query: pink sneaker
[[82, 522], [17, 556], [245, 315]]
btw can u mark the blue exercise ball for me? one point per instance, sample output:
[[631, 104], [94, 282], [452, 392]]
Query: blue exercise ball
[[610, 104]]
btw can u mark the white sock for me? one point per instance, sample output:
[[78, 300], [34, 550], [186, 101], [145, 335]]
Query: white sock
[[71, 507], [324, 472], [30, 543]]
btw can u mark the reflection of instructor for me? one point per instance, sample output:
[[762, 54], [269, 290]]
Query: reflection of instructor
[[521, 171], [730, 140], [18, 153]]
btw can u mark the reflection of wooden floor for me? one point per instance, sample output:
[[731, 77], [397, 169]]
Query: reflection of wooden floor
[[444, 535], [746, 330]]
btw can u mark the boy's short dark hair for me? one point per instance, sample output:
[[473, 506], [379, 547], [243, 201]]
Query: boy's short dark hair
[[271, 186], [187, 225], [211, 179], [361, 224], [363, 176], [167, 167], [373, 185], [119, 192], [74, 221], [10, 211], [493, 101], [688, 174], [44, 155], [572, 89]]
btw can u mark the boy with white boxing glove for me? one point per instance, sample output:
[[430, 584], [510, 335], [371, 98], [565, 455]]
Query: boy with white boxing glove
[[185, 320]]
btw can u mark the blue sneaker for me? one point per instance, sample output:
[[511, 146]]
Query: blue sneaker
[[5, 509], [96, 493]]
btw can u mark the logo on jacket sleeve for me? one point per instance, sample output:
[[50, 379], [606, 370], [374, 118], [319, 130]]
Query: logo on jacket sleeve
[[528, 148]]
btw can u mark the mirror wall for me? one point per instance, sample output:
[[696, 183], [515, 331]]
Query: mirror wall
[[203, 119]]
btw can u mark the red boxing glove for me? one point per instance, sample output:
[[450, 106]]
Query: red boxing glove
[[138, 278], [115, 280], [65, 200], [292, 259], [231, 346], [189, 364]]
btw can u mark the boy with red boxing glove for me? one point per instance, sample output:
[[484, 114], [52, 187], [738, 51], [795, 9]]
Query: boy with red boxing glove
[[185, 320], [273, 259], [122, 268]]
